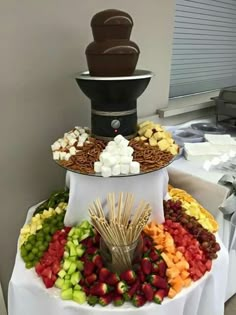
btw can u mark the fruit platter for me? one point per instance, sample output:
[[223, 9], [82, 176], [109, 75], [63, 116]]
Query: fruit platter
[[119, 257], [152, 149]]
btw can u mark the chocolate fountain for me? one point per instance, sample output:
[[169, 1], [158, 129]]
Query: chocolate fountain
[[112, 83]]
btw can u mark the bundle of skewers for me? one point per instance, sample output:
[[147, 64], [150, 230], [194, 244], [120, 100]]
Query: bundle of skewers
[[120, 226]]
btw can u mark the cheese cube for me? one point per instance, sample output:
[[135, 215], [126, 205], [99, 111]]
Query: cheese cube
[[72, 141], [72, 150], [56, 146], [56, 155], [163, 144], [67, 157], [152, 142], [148, 133], [62, 155]]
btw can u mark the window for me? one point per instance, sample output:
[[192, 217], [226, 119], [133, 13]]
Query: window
[[204, 46]]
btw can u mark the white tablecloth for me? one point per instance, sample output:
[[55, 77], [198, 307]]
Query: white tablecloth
[[151, 187], [195, 169], [28, 296]]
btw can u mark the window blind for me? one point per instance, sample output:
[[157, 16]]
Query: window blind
[[204, 46]]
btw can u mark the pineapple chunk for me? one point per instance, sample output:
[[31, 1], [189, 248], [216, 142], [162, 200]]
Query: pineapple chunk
[[152, 142], [163, 144]]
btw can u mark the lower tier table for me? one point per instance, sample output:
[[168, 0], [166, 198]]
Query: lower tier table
[[28, 296]]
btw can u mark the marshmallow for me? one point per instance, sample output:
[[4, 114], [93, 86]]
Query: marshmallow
[[124, 152], [97, 167], [126, 159], [115, 170], [56, 155], [124, 143], [106, 171], [129, 151], [124, 169], [112, 149], [72, 150], [111, 144], [134, 167], [104, 155], [109, 161], [118, 139]]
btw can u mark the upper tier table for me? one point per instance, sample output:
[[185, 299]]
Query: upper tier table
[[151, 187], [28, 296]]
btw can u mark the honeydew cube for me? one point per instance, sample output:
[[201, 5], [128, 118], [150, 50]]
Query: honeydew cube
[[97, 167], [116, 170], [72, 150], [118, 139], [106, 171], [124, 169], [126, 159], [134, 167], [56, 155]]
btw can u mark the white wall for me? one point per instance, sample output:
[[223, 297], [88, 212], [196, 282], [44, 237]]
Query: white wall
[[42, 45]]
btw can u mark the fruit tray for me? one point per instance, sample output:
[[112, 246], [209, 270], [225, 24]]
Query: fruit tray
[[174, 255]]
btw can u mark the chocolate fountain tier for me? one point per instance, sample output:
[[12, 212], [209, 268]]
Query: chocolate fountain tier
[[114, 102]]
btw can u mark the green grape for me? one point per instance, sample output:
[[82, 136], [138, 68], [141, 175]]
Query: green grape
[[31, 257], [23, 251], [53, 230], [48, 238], [40, 238], [46, 229], [28, 246], [35, 250], [38, 243], [29, 265], [32, 239], [41, 248]]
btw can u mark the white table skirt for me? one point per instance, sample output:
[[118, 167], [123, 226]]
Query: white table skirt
[[195, 169], [28, 296], [85, 189]]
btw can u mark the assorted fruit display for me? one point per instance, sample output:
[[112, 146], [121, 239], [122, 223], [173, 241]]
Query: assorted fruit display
[[151, 150], [172, 255]]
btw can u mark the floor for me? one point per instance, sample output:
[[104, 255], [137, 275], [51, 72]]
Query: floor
[[230, 306]]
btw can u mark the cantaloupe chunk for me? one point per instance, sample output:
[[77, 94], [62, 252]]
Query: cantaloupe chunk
[[177, 284], [187, 282], [172, 293], [181, 265], [184, 274], [167, 260], [172, 272]]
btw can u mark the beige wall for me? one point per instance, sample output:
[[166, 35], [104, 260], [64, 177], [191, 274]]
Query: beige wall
[[42, 45]]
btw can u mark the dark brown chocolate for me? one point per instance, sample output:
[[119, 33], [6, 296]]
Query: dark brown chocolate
[[111, 24]]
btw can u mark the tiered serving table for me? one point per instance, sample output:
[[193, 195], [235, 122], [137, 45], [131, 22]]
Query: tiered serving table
[[27, 294]]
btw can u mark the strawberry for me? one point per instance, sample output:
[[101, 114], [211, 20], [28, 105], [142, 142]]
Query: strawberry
[[99, 289], [105, 300], [132, 290], [159, 296], [158, 281], [141, 276], [129, 276], [155, 268], [91, 250], [91, 279], [86, 290], [146, 266], [97, 260], [88, 268], [162, 268], [96, 238], [118, 300], [148, 291], [112, 279], [138, 300], [104, 273], [92, 300], [154, 255], [121, 287]]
